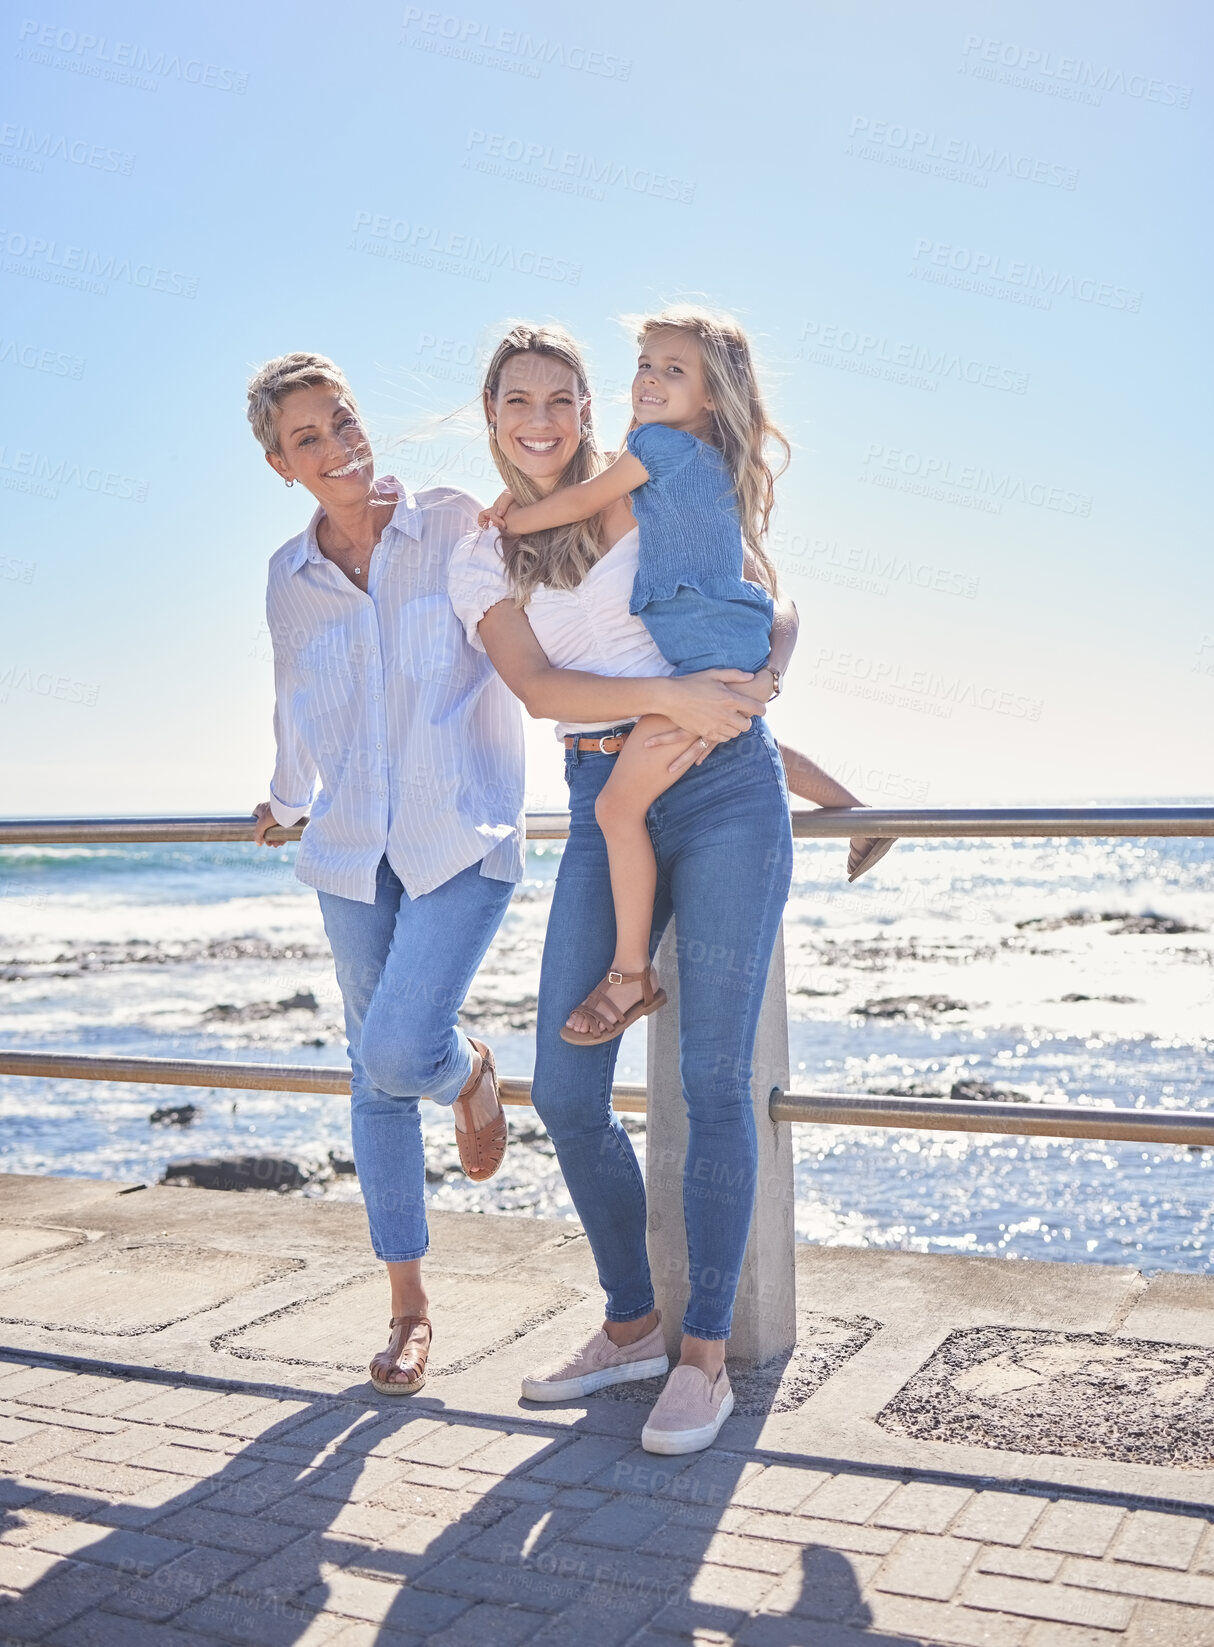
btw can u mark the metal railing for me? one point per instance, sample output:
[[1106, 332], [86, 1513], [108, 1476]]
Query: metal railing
[[824, 1108]]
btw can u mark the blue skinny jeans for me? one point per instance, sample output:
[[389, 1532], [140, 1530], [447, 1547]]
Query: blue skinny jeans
[[724, 849], [404, 966]]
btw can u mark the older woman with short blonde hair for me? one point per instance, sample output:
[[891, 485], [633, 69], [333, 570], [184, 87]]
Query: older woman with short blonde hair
[[415, 839]]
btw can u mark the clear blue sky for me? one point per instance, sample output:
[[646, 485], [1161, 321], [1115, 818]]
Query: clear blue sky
[[968, 239]]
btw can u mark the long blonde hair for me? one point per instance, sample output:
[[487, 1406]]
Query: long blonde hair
[[561, 556], [740, 421]]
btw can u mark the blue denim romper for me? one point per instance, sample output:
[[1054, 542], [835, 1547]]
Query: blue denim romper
[[689, 591]]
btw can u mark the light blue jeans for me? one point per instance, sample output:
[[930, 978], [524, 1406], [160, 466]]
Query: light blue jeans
[[404, 966], [724, 848]]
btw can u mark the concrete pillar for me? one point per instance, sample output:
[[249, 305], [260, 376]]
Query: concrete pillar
[[764, 1319]]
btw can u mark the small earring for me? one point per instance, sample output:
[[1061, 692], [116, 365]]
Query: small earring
[[288, 483], [493, 430]]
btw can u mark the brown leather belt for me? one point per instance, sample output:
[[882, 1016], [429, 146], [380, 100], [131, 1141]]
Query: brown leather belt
[[607, 743]]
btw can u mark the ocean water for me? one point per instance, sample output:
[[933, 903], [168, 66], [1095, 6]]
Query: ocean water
[[1075, 971]]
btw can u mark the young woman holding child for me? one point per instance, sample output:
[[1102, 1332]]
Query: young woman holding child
[[626, 638]]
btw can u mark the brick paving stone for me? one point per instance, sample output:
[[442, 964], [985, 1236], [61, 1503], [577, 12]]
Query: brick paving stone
[[503, 1626], [164, 1406], [545, 1592], [940, 1622], [290, 1572], [69, 1589], [150, 1502], [449, 1444], [303, 1512], [922, 1507], [63, 1418], [214, 1416], [1074, 1635], [600, 1619], [409, 1498], [117, 1480], [823, 1584], [1161, 1624], [85, 1541], [837, 1535], [38, 1383], [18, 1429], [1046, 1601], [1043, 1565], [506, 1453], [1158, 1540], [107, 1397], [922, 1564], [780, 1487], [622, 1526], [523, 1533], [758, 1555], [849, 1497], [198, 1463], [1123, 1578], [379, 1601], [357, 1480], [236, 1618], [21, 1568], [265, 1414], [573, 1498], [574, 1465], [323, 1427], [120, 1446], [999, 1518], [716, 1598], [711, 1478], [257, 1491], [158, 1595], [1078, 1528], [410, 1549], [354, 1633], [105, 1629], [13, 1494], [26, 1525], [642, 1474]]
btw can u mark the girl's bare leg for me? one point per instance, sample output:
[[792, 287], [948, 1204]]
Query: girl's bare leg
[[639, 776]]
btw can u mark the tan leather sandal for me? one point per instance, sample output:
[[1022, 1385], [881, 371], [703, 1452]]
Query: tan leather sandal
[[482, 1149], [403, 1354], [652, 997]]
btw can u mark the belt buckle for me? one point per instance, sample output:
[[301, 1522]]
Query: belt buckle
[[602, 740]]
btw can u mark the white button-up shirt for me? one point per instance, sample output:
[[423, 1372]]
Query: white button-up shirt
[[417, 743]]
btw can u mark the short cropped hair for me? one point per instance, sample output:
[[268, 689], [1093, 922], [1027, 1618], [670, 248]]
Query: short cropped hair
[[272, 383]]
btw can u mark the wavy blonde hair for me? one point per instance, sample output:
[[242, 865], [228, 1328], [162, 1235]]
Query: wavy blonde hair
[[561, 556], [741, 425]]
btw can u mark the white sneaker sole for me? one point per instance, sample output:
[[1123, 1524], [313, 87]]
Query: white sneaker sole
[[568, 1389], [687, 1441]]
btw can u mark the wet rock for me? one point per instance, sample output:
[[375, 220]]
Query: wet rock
[[341, 1166], [1119, 921], [302, 1001], [174, 1115], [242, 1172], [908, 1006], [1117, 1000], [984, 1091], [908, 1089]]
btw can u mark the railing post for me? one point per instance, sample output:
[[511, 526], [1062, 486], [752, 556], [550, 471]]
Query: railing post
[[765, 1320]]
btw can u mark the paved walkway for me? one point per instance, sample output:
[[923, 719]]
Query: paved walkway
[[195, 1479]]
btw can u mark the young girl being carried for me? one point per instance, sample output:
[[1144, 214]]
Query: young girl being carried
[[702, 492]]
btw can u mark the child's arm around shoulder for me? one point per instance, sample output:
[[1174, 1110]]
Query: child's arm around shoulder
[[581, 501]]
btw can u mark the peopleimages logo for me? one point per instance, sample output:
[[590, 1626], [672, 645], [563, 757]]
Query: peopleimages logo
[[35, 472], [1072, 77], [852, 348], [567, 170], [455, 253], [123, 61], [86, 270], [1016, 278], [890, 465], [34, 358], [28, 149], [497, 47], [984, 159]]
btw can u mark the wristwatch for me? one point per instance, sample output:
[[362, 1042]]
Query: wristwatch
[[776, 681]]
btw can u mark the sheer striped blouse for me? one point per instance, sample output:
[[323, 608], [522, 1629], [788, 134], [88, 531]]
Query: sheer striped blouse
[[416, 742]]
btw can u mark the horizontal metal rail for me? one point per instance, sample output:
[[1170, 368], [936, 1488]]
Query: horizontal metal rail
[[821, 824], [839, 1109]]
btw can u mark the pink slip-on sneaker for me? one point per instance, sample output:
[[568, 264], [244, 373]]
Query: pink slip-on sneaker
[[688, 1414], [597, 1364]]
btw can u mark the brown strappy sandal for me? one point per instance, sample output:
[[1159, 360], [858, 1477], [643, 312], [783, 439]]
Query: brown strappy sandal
[[402, 1355], [651, 999], [482, 1149]]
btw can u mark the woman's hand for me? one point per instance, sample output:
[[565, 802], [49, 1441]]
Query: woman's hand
[[495, 514], [265, 820]]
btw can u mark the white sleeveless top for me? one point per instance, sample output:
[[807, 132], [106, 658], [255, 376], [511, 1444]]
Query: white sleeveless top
[[588, 628]]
